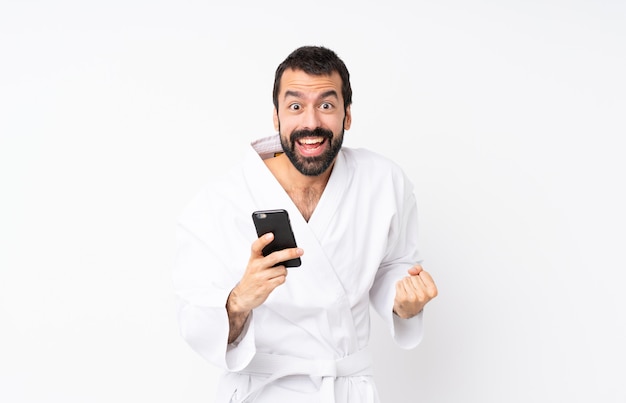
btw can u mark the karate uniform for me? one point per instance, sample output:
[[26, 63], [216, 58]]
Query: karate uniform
[[307, 342]]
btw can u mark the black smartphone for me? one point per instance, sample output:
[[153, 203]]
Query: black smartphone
[[276, 222]]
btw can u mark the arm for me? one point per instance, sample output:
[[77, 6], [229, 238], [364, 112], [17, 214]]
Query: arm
[[214, 307], [202, 285], [393, 298]]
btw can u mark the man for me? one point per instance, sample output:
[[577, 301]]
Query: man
[[300, 335]]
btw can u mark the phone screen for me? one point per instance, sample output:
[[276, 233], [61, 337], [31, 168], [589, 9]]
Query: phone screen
[[276, 222]]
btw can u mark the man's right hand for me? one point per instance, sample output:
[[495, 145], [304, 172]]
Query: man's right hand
[[258, 281]]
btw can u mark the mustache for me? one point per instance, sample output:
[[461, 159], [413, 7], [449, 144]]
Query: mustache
[[317, 132]]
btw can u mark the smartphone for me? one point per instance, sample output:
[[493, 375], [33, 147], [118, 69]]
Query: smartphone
[[276, 222]]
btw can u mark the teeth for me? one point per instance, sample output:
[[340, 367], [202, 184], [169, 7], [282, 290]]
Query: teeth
[[311, 141]]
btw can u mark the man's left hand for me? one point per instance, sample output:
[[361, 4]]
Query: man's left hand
[[413, 292]]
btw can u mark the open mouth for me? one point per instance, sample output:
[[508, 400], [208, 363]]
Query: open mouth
[[311, 146]]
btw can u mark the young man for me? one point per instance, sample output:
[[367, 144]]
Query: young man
[[300, 334]]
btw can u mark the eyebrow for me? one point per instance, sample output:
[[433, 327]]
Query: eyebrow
[[298, 94]]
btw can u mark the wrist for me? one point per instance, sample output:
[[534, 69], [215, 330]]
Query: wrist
[[234, 306]]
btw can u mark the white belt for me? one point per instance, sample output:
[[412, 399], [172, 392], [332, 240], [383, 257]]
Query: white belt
[[278, 366]]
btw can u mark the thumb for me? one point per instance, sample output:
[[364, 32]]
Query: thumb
[[415, 270]]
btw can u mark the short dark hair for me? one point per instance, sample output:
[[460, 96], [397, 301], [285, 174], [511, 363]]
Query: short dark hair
[[315, 60]]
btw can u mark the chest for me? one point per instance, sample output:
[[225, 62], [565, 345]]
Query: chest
[[305, 200]]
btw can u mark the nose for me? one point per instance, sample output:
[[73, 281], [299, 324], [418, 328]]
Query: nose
[[310, 119]]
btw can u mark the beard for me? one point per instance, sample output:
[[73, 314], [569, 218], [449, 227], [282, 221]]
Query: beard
[[312, 166]]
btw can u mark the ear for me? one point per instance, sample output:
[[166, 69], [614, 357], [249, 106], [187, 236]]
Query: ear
[[276, 124], [347, 120]]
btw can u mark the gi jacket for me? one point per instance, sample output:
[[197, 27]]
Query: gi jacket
[[360, 240]]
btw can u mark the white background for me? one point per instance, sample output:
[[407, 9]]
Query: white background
[[508, 116]]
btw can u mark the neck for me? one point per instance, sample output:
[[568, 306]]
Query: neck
[[305, 191]]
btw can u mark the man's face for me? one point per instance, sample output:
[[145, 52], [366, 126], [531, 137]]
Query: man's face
[[311, 120]]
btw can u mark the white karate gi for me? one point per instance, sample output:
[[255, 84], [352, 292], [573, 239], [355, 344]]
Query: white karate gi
[[312, 332]]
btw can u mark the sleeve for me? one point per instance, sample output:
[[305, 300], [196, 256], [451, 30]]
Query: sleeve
[[401, 254], [202, 284]]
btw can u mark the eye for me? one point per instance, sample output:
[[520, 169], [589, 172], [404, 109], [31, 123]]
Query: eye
[[326, 106], [295, 107]]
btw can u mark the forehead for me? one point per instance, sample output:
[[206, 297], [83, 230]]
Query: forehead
[[299, 81]]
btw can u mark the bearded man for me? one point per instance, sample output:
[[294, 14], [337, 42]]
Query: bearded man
[[301, 334]]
